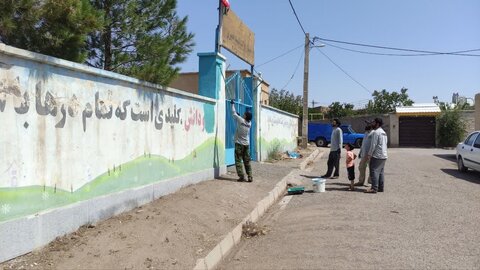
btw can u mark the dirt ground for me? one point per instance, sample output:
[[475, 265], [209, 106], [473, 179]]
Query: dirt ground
[[171, 232]]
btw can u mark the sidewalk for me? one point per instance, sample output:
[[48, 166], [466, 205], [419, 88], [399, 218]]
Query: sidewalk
[[171, 232]]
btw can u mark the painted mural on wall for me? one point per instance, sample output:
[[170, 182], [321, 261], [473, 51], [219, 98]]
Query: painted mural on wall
[[279, 132], [70, 136]]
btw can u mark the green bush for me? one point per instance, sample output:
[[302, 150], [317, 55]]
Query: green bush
[[451, 128], [274, 153]]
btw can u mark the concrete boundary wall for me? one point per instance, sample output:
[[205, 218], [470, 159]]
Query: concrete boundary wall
[[20, 236], [469, 118], [57, 62], [80, 144], [278, 131]]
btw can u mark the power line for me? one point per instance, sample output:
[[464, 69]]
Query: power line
[[346, 73], [294, 72], [398, 54], [275, 58], [374, 53], [459, 53], [296, 16]]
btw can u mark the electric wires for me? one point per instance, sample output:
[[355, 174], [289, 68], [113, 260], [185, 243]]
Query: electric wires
[[419, 52], [303, 29], [275, 58], [345, 72], [294, 72], [296, 16]]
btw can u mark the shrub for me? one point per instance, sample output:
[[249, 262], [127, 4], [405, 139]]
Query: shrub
[[274, 153], [451, 128]]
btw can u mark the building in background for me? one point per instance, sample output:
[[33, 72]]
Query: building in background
[[462, 100]]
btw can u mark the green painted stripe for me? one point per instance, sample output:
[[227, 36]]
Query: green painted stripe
[[22, 201]]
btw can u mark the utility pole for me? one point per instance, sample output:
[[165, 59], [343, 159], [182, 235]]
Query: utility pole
[[218, 32], [305, 92]]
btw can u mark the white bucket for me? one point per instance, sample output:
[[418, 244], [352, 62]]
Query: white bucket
[[318, 184]]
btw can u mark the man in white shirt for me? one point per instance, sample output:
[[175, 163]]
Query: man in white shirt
[[377, 155], [242, 144]]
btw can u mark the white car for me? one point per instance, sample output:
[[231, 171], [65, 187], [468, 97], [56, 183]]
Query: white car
[[468, 153]]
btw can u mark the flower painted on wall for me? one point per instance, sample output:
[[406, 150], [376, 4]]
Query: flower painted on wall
[[5, 209]]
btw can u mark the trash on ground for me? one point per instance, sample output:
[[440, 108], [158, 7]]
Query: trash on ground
[[252, 229], [293, 155]]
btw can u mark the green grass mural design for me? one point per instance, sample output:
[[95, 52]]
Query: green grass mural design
[[276, 145], [22, 201]]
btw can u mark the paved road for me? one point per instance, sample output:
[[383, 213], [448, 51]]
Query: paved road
[[427, 218]]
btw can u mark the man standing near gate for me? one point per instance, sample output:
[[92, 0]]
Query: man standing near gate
[[335, 150], [242, 143]]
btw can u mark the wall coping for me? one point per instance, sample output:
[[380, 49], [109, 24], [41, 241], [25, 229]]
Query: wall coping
[[57, 62], [280, 111], [219, 55]]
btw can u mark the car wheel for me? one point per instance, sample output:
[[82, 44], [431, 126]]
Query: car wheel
[[460, 165], [358, 143], [321, 142]]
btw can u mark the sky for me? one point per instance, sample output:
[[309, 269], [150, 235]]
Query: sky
[[440, 25]]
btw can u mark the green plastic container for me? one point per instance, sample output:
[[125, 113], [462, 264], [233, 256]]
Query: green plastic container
[[296, 190]]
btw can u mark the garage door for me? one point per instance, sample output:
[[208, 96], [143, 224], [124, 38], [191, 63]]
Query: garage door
[[417, 131]]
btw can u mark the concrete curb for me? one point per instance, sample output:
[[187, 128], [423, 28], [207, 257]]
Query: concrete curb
[[310, 158], [221, 250]]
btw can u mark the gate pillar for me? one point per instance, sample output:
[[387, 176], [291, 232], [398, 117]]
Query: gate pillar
[[211, 83]]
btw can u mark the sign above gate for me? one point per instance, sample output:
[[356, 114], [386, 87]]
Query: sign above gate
[[238, 38]]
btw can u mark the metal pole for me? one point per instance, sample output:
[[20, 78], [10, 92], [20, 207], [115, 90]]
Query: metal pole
[[305, 92], [254, 114], [218, 39]]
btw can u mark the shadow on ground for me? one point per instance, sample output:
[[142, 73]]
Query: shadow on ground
[[357, 189], [338, 184], [450, 157], [470, 176], [310, 176], [227, 178]]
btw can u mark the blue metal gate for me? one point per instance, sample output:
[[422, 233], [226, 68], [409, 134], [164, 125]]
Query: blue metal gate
[[240, 90]]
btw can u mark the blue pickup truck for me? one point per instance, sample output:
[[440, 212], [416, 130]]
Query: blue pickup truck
[[321, 133]]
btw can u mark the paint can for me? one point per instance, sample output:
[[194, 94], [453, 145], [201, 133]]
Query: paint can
[[318, 184]]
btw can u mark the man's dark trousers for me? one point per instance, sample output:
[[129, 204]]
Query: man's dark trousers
[[333, 162], [242, 153], [377, 173]]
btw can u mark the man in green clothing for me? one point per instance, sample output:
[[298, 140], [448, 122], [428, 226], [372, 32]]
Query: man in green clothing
[[242, 143]]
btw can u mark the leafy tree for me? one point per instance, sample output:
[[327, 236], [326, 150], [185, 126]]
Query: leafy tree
[[465, 106], [286, 101], [451, 127], [386, 102], [140, 38], [54, 27], [445, 106], [336, 110]]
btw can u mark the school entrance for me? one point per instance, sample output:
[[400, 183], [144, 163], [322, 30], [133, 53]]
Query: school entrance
[[240, 90]]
